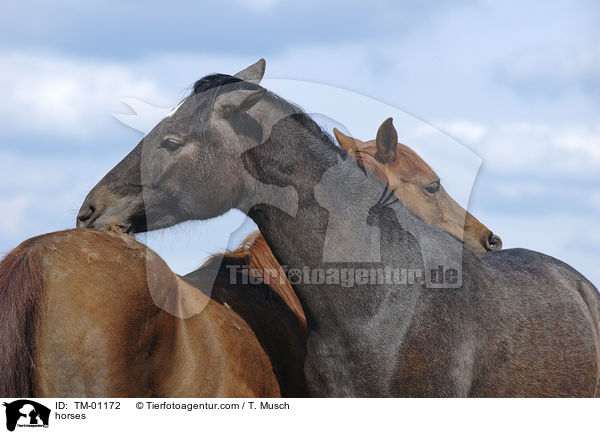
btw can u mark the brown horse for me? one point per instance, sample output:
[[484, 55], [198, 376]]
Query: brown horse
[[265, 301], [95, 313], [418, 186]]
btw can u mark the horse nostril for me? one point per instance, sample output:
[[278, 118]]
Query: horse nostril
[[85, 215], [494, 242]]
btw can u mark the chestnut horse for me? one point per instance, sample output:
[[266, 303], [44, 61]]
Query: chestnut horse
[[418, 186], [267, 304], [95, 313], [516, 323]]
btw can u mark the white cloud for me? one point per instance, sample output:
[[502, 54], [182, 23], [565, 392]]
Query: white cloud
[[550, 70], [528, 148], [465, 131], [259, 5], [65, 96], [581, 139]]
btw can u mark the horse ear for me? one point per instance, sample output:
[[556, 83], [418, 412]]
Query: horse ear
[[254, 73], [387, 142], [346, 142], [237, 101]]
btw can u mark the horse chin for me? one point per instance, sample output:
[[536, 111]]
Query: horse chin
[[152, 222], [136, 226]]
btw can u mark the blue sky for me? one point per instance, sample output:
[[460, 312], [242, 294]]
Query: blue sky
[[517, 83]]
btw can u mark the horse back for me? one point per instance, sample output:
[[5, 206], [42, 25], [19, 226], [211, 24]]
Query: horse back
[[523, 324], [540, 318], [99, 331]]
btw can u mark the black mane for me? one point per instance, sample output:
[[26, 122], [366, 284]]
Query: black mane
[[216, 80]]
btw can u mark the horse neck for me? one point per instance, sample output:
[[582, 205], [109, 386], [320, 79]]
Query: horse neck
[[299, 241]]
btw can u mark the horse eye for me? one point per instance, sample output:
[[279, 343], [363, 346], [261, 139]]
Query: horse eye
[[170, 144], [433, 188]]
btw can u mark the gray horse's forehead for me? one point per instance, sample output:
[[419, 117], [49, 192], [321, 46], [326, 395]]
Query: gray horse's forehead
[[175, 109], [181, 115], [185, 108]]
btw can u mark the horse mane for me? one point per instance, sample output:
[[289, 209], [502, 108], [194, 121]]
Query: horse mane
[[21, 294], [214, 80], [370, 164], [306, 121], [257, 255]]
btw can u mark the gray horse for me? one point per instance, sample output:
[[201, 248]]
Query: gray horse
[[420, 315]]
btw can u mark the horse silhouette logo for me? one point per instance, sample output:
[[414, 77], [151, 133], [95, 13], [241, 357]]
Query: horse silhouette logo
[[26, 413]]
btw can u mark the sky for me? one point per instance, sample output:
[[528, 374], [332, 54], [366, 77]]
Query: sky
[[511, 87]]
